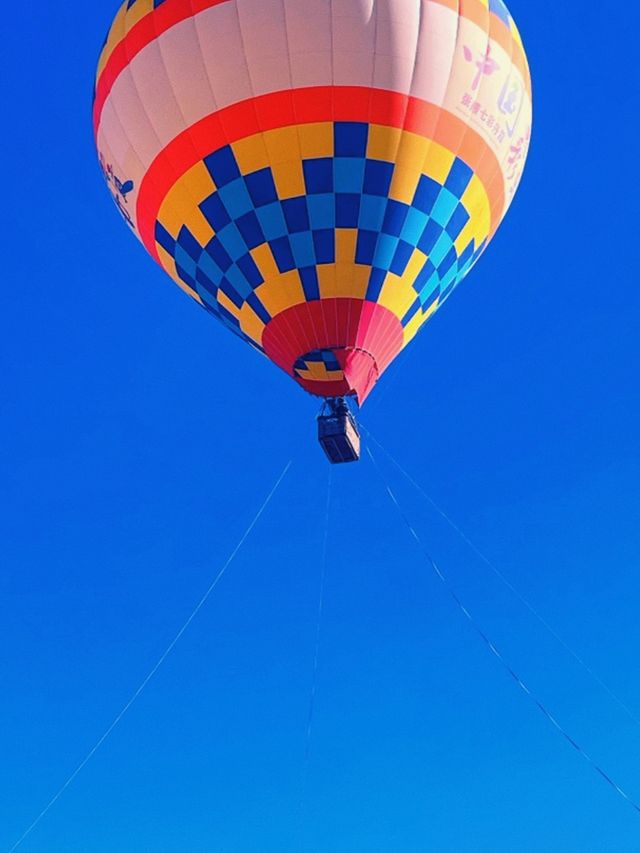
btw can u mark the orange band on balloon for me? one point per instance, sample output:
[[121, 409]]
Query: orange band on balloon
[[303, 106]]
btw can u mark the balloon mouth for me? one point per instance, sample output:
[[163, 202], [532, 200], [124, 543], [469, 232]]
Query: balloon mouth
[[336, 346], [337, 372]]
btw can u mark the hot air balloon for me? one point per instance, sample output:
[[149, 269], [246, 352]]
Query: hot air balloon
[[319, 175]]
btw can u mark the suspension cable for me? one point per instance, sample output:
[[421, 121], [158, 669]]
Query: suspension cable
[[493, 648], [143, 684], [505, 580]]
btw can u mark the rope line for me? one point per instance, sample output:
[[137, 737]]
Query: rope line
[[495, 651], [316, 651], [505, 580], [143, 684], [392, 377]]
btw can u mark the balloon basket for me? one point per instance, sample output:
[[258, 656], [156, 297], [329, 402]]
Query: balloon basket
[[338, 432]]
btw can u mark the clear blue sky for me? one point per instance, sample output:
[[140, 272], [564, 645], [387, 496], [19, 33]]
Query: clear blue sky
[[138, 439]]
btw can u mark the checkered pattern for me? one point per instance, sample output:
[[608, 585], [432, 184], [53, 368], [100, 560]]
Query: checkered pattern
[[318, 191], [347, 194]]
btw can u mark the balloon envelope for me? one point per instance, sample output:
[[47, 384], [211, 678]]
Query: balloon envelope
[[318, 174]]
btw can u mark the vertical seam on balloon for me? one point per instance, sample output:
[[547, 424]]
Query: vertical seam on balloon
[[253, 98], [129, 70], [151, 124], [145, 177], [441, 111], [387, 328], [374, 9], [187, 127], [106, 147], [303, 336], [131, 146], [388, 350], [526, 96], [325, 318], [492, 20], [236, 6], [337, 304], [410, 92], [415, 61], [214, 100], [297, 127], [498, 175], [386, 345], [465, 131], [195, 17], [123, 19], [353, 264], [392, 156], [129, 58], [115, 109], [126, 135], [357, 229], [332, 113]]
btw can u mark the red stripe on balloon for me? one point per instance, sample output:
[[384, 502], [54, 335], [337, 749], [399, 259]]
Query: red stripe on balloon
[[147, 30], [302, 106]]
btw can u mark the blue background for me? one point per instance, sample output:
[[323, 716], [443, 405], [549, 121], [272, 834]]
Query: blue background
[[138, 440]]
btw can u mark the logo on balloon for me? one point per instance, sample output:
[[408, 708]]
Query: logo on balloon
[[485, 64], [510, 103], [516, 160], [119, 189]]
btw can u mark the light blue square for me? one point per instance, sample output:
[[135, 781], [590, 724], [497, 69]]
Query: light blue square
[[348, 175], [271, 219], [303, 250], [414, 225], [239, 282], [322, 210], [372, 210], [210, 268], [208, 298], [236, 198], [441, 249], [427, 291], [232, 241], [449, 277], [385, 250], [185, 261], [444, 207]]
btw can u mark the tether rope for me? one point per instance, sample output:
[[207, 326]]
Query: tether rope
[[143, 684], [493, 649], [505, 580]]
